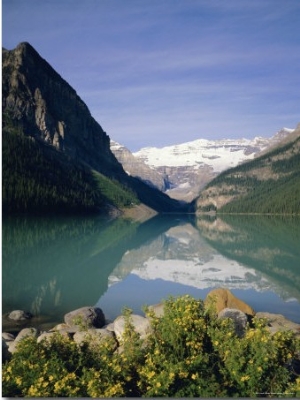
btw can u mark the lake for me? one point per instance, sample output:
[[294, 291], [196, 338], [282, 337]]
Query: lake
[[51, 266]]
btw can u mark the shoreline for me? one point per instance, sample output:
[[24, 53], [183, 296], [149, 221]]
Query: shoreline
[[43, 324]]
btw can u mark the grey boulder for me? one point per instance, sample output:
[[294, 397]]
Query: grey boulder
[[140, 325], [19, 315], [85, 318], [238, 317]]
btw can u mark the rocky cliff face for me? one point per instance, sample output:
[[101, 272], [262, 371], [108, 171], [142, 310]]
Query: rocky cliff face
[[40, 105], [137, 168], [47, 108]]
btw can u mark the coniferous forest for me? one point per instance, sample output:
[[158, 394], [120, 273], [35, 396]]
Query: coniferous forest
[[36, 179], [269, 184]]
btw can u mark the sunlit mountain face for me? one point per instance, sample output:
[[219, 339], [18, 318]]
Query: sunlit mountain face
[[182, 170]]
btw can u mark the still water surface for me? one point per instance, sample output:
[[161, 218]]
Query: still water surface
[[53, 265]]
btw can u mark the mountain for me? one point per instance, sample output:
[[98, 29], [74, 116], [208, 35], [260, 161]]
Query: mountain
[[268, 184], [56, 157], [181, 255], [136, 167], [268, 244], [240, 254], [186, 168]]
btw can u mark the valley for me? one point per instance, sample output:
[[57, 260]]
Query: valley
[[183, 170], [58, 159]]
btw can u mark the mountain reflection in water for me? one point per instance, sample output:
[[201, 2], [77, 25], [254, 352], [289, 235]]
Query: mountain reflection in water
[[53, 265], [256, 258]]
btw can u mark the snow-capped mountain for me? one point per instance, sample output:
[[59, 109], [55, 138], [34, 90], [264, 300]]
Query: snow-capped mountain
[[183, 170], [188, 167], [218, 154], [180, 255], [136, 167]]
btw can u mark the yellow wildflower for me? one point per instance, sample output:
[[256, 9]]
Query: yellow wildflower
[[245, 378], [32, 391], [18, 380], [151, 374], [183, 374]]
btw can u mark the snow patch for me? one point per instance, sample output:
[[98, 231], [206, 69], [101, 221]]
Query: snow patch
[[201, 275]]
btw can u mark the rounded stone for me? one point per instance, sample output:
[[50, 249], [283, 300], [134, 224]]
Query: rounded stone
[[94, 336], [26, 332], [85, 318], [19, 315], [7, 337], [238, 317], [141, 325]]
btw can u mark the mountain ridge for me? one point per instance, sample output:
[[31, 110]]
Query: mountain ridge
[[182, 170], [42, 112], [41, 109], [268, 184]]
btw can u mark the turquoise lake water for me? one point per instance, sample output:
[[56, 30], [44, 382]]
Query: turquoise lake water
[[51, 266]]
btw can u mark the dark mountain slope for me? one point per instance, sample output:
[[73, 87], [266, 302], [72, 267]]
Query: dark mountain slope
[[268, 184], [47, 108], [38, 179], [40, 107]]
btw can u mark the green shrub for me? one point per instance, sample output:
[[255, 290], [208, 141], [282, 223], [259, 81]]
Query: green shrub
[[190, 353]]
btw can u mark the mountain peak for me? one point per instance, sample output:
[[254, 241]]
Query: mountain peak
[[43, 106], [24, 52], [49, 109], [25, 47], [188, 167]]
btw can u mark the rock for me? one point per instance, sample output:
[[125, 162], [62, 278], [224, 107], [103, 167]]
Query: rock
[[277, 322], [223, 298], [93, 337], [12, 346], [85, 318], [51, 110], [239, 319], [109, 327], [6, 354], [47, 336], [26, 332], [7, 337], [7, 341], [158, 309], [60, 327], [19, 315], [65, 328], [137, 167], [141, 325]]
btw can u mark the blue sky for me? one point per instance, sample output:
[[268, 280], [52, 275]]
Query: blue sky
[[162, 72]]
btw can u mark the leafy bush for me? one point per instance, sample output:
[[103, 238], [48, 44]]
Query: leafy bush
[[189, 353]]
